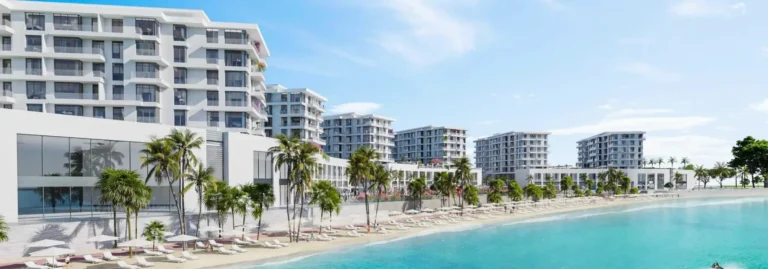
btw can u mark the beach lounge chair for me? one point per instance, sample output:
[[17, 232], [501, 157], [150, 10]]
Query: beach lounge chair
[[393, 222], [91, 259], [162, 249], [200, 245], [223, 250], [354, 234], [107, 256], [401, 227], [53, 263], [277, 242], [270, 245], [140, 261], [320, 238], [350, 227], [124, 265], [213, 243], [186, 255], [31, 264], [330, 230], [383, 230], [424, 224], [241, 242], [326, 236], [238, 249], [153, 253], [171, 258]]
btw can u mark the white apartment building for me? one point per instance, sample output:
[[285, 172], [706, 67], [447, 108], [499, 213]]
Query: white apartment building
[[645, 179], [156, 65], [612, 149], [425, 144], [344, 133], [503, 154], [294, 112]]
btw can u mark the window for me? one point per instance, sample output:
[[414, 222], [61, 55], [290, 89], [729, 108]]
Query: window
[[235, 37], [179, 75], [117, 113], [8, 106], [213, 98], [118, 92], [35, 90], [67, 90], [148, 48], [67, 22], [68, 110], [146, 70], [146, 93], [98, 70], [235, 119], [67, 68], [95, 24], [213, 118], [146, 26], [117, 50], [180, 97], [117, 72], [145, 114], [180, 117], [35, 107], [34, 43], [117, 25], [34, 66], [212, 36], [179, 54], [212, 56], [7, 89], [235, 78], [35, 21], [99, 112], [179, 32], [67, 44], [6, 43], [235, 58], [262, 166], [236, 99], [212, 76]]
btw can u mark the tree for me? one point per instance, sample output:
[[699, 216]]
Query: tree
[[565, 184], [284, 155], [634, 190], [684, 162], [154, 231], [443, 184], [159, 157], [679, 179], [325, 196], [360, 170], [613, 177], [600, 186], [496, 190], [214, 198], [533, 192], [305, 167], [660, 161], [200, 179], [113, 184], [652, 162], [550, 192], [261, 197], [689, 167], [590, 184], [744, 182], [183, 144], [588, 192], [703, 175], [515, 191], [416, 189], [625, 183], [645, 163], [750, 154], [726, 172], [4, 229], [380, 183], [470, 195], [462, 174], [756, 179], [577, 191]]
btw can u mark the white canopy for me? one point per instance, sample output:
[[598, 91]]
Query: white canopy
[[52, 252], [181, 238], [138, 242], [45, 243], [102, 238], [167, 234]]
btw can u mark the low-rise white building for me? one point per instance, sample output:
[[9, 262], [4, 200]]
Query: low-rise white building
[[428, 143], [295, 112], [503, 154], [345, 133], [645, 179], [612, 149]]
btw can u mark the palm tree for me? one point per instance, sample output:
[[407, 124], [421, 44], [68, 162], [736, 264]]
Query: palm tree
[[306, 167], [565, 184], [154, 231], [200, 179], [470, 195], [136, 195], [416, 189], [495, 193], [140, 201], [4, 229], [549, 191], [112, 184], [685, 161], [262, 198], [625, 183], [360, 170], [652, 162], [614, 176], [702, 174], [590, 184], [380, 183], [183, 143], [660, 161], [443, 185], [214, 198], [645, 163], [284, 154], [233, 199], [532, 191], [463, 173], [515, 191], [158, 155], [325, 196]]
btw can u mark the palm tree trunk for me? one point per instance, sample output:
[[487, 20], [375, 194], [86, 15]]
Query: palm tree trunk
[[287, 207], [367, 210], [114, 222], [258, 229], [321, 220], [244, 212], [233, 218], [301, 215], [136, 223], [376, 217], [175, 202], [199, 211], [128, 228]]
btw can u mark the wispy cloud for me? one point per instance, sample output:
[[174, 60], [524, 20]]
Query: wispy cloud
[[321, 47], [647, 124], [553, 4], [761, 106], [707, 8], [356, 107], [432, 33], [632, 112], [649, 71]]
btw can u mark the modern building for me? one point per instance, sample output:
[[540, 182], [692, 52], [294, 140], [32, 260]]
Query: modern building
[[345, 133], [612, 149], [505, 153], [152, 65], [645, 179], [430, 144], [295, 112]]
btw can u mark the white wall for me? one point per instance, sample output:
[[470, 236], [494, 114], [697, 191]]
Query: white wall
[[521, 176]]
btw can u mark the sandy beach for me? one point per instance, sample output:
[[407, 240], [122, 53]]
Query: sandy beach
[[256, 255]]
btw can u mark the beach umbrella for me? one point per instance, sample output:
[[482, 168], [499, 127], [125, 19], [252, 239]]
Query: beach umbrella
[[45, 243], [181, 238], [101, 238], [137, 243], [52, 252]]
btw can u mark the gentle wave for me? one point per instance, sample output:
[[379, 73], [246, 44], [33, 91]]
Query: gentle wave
[[294, 259], [689, 204], [429, 232]]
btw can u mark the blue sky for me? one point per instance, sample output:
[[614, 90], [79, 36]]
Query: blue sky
[[692, 73]]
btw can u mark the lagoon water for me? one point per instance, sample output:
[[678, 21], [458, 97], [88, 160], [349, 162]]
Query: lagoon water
[[671, 234]]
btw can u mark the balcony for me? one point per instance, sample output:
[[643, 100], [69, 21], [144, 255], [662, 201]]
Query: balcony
[[78, 96], [148, 74], [6, 47], [34, 71], [235, 103], [68, 72], [34, 48], [5, 28], [148, 77], [7, 70], [72, 27], [238, 41], [6, 97]]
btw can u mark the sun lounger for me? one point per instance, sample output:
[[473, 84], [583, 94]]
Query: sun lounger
[[270, 245], [35, 266], [153, 253], [330, 230], [326, 236], [320, 238], [401, 227], [91, 259], [277, 242], [252, 241], [383, 230], [213, 243], [108, 256], [241, 242], [238, 249], [53, 263], [140, 261], [186, 255], [223, 250], [162, 249], [171, 258], [354, 234], [350, 227], [200, 245], [124, 265]]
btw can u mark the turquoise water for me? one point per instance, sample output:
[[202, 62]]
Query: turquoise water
[[676, 235]]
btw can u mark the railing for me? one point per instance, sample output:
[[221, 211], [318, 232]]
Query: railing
[[38, 96], [213, 40], [212, 60], [80, 96], [68, 72], [235, 41], [118, 96], [213, 123], [295, 123], [146, 52], [6, 46], [7, 22], [7, 70], [213, 81], [180, 80], [213, 102], [78, 50], [147, 31], [147, 74], [116, 29], [69, 27], [34, 48], [7, 93], [140, 98], [235, 103], [98, 73], [34, 71]]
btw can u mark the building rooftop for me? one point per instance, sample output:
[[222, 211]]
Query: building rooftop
[[277, 88], [611, 133], [510, 133], [353, 115], [428, 127]]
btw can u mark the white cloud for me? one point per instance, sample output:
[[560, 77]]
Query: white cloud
[[648, 124], [707, 8], [649, 71], [762, 106], [702, 150], [631, 112], [553, 4], [356, 107], [487, 122], [432, 33]]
